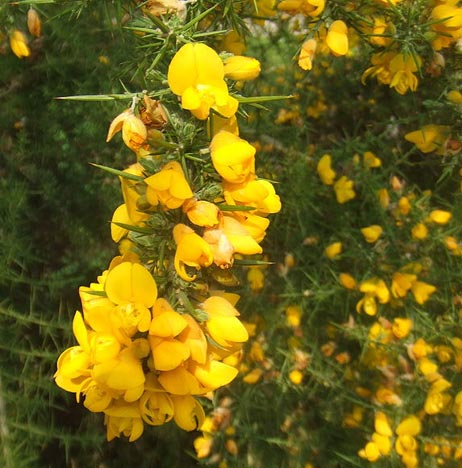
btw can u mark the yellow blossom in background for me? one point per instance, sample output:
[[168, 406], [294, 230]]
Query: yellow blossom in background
[[253, 376], [233, 42], [454, 96], [344, 190], [296, 376], [453, 245], [370, 452], [333, 250], [372, 233], [347, 281], [337, 38], [419, 231], [440, 216], [19, 44], [293, 315], [401, 327], [306, 56], [430, 138], [239, 67], [373, 289], [402, 283], [370, 160], [325, 171], [422, 291], [256, 278], [384, 198], [395, 70], [196, 73], [311, 8], [446, 20]]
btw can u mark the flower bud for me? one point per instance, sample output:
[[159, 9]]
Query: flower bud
[[238, 67], [34, 24]]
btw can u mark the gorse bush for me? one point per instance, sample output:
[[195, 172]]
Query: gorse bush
[[300, 156]]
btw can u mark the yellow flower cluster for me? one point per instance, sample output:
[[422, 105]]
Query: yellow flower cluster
[[141, 358], [140, 361]]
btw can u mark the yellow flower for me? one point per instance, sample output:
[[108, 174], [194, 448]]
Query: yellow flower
[[131, 283], [239, 67], [311, 8], [381, 424], [233, 42], [344, 190], [347, 281], [454, 96], [422, 291], [191, 250], [373, 288], [325, 171], [395, 70], [222, 324], [125, 418], [213, 374], [296, 376], [256, 193], [419, 231], [333, 250], [168, 186], [232, 157], [410, 426], [305, 59], [337, 38], [196, 73], [370, 452], [256, 278], [430, 138], [401, 327], [120, 216], [401, 283], [440, 216], [371, 160], [156, 406], [132, 198], [201, 212], [18, 44], [188, 412], [253, 376], [293, 315], [372, 233]]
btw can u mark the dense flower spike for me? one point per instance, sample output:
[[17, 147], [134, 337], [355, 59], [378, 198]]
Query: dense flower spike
[[151, 338]]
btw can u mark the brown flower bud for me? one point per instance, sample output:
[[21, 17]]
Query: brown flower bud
[[34, 24]]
